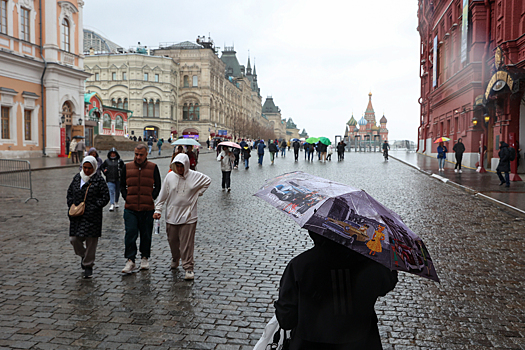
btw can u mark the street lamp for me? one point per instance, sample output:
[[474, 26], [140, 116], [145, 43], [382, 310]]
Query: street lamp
[[79, 121], [474, 121], [486, 117], [63, 119]]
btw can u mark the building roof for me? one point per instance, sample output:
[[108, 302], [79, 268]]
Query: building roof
[[100, 44], [185, 45], [290, 124], [383, 119], [363, 121], [352, 121], [233, 68], [269, 106]]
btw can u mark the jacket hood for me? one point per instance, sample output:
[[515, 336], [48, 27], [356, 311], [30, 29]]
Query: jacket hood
[[113, 149], [93, 149], [184, 160], [504, 144]]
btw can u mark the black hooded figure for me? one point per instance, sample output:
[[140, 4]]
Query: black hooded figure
[[111, 169], [327, 296], [504, 164]]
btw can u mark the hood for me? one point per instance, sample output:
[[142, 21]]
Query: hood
[[93, 149], [185, 160], [113, 149], [504, 144]]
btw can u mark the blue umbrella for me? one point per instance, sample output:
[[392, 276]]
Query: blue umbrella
[[294, 139]]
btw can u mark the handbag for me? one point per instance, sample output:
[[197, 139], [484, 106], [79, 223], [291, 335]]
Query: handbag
[[78, 210], [276, 344]]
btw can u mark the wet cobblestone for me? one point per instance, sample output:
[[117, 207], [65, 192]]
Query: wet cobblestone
[[242, 247]]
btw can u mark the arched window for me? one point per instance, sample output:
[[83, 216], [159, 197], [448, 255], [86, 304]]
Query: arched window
[[151, 108], [191, 111], [65, 35], [119, 123], [113, 102], [119, 103], [144, 107], [157, 108], [185, 112], [106, 124], [186, 81], [125, 103], [197, 112], [67, 113]]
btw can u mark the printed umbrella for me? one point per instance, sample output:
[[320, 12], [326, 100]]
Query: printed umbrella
[[350, 217], [442, 139], [312, 140], [229, 144], [186, 142], [325, 140]]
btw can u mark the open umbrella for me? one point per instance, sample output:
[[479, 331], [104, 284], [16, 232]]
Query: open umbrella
[[229, 144], [312, 140], [294, 139], [186, 142], [442, 139], [325, 141], [350, 217]]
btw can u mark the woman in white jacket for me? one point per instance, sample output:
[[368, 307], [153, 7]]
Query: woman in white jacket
[[180, 191], [227, 158]]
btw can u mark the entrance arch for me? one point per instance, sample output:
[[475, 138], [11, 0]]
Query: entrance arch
[[152, 131]]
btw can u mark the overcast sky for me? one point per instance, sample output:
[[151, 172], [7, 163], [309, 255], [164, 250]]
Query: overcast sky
[[318, 59]]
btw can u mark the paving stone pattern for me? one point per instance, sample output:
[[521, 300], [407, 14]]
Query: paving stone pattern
[[242, 247]]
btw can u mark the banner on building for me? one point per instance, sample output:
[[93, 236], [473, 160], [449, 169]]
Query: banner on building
[[435, 62], [222, 132], [464, 32]]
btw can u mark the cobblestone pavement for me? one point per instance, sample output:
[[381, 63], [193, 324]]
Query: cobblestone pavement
[[242, 247]]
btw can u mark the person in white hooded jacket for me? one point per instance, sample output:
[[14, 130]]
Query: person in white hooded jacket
[[180, 191]]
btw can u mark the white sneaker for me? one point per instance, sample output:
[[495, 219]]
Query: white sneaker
[[460, 171], [130, 266], [116, 205], [111, 207], [190, 275], [455, 170], [174, 265], [144, 264], [229, 189]]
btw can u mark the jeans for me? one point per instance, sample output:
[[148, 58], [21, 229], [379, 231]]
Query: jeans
[[283, 152], [149, 149], [135, 223], [261, 158], [246, 163], [159, 151], [114, 191], [441, 163], [310, 154], [226, 177]]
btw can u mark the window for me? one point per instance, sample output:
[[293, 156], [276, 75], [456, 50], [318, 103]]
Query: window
[[3, 16], [119, 103], [24, 17], [65, 35], [119, 123], [186, 81], [27, 124], [144, 107], [125, 103], [156, 78], [5, 123], [185, 112], [157, 108], [106, 124], [113, 103], [114, 76], [190, 112], [151, 108], [97, 76], [145, 76], [195, 80], [124, 76]]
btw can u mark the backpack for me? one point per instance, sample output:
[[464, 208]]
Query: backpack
[[512, 153]]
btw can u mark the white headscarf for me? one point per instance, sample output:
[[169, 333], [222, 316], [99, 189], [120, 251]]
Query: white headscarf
[[93, 161]]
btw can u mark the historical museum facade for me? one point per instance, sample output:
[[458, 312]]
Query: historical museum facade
[[366, 129], [41, 76], [472, 71]]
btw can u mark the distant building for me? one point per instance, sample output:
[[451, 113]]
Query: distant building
[[274, 116], [291, 130], [366, 129]]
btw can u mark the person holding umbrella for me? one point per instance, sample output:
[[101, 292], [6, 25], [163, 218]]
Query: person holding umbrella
[[442, 155], [226, 158]]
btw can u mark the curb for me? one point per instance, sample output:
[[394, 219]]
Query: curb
[[464, 188]]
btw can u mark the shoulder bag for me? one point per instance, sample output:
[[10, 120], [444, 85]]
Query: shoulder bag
[[78, 210]]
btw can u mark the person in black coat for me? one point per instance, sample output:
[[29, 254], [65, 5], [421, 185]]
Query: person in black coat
[[87, 227], [327, 296], [296, 148], [504, 164], [340, 151], [111, 168], [459, 149]]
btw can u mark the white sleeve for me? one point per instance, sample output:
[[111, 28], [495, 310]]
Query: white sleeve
[[163, 195]]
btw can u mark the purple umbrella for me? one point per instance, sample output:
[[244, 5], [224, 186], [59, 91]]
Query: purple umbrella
[[350, 217]]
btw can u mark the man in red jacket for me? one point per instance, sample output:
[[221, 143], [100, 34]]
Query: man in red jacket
[[140, 185]]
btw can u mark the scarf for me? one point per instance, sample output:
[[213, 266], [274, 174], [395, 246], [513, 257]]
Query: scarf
[[93, 161]]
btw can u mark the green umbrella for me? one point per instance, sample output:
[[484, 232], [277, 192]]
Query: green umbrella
[[325, 140], [312, 140]]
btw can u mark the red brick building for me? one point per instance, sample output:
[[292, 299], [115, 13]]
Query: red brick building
[[472, 76]]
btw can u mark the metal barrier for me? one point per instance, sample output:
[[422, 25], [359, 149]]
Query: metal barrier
[[16, 174]]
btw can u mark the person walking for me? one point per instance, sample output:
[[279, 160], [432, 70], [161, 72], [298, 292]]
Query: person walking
[[327, 296], [442, 155], [237, 155], [306, 147], [181, 189], [330, 152], [260, 151], [192, 157], [386, 148], [504, 163], [284, 145], [68, 145], [296, 148], [311, 151], [246, 153], [80, 148], [322, 151], [111, 169], [72, 147], [227, 159], [140, 184], [273, 151], [340, 151], [94, 153], [159, 145], [150, 145], [458, 149], [88, 187]]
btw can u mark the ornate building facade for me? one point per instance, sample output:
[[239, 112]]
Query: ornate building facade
[[366, 129], [41, 76], [472, 76]]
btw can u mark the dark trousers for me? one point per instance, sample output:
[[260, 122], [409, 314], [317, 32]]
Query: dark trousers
[[310, 154], [138, 223], [226, 175], [505, 180], [296, 154], [459, 158], [261, 158]]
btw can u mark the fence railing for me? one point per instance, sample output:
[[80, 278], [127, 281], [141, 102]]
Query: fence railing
[[16, 174]]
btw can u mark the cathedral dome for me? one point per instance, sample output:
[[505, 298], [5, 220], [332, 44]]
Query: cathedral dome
[[363, 121], [352, 121], [383, 120]]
